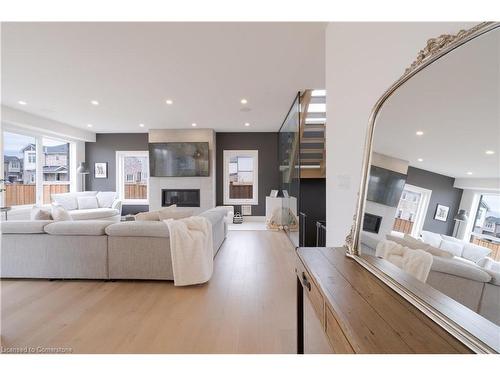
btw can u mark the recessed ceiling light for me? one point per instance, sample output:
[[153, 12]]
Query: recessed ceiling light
[[420, 159], [94, 102], [419, 132], [247, 124], [469, 173], [89, 125], [169, 101], [243, 101], [489, 152], [193, 124], [22, 102], [141, 125]]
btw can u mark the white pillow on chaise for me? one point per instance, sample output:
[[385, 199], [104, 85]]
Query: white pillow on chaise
[[59, 213], [106, 198], [85, 203], [431, 238], [456, 248], [475, 253]]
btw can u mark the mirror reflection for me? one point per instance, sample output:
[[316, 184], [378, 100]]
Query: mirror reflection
[[433, 195]]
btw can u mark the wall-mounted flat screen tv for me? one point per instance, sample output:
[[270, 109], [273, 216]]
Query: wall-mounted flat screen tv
[[179, 159], [385, 186]]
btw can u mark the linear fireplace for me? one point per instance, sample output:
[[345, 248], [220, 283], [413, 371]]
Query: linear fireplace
[[180, 197], [371, 223]]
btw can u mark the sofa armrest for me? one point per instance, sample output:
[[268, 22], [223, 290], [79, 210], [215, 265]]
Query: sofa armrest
[[117, 205]]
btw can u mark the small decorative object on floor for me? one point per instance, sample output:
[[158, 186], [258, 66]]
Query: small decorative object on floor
[[128, 218], [5, 209], [237, 218]]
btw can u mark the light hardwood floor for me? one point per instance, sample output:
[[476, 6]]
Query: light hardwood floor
[[247, 307]]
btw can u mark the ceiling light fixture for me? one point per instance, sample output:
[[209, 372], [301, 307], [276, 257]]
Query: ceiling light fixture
[[489, 152], [94, 102], [419, 132], [89, 125], [169, 101], [141, 125], [243, 101], [247, 124], [469, 173], [194, 125], [420, 159], [22, 102]]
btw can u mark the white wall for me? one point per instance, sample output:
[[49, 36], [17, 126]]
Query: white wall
[[205, 184], [362, 61]]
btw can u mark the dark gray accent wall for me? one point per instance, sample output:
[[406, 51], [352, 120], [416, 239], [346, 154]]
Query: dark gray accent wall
[[313, 204], [443, 193], [104, 150], [267, 145]]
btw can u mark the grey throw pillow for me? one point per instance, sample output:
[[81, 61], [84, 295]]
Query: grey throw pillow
[[39, 213]]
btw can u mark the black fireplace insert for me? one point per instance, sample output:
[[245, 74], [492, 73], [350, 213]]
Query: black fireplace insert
[[180, 197], [371, 223]]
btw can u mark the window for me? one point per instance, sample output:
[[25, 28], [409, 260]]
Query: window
[[132, 171], [19, 154], [56, 171], [487, 220], [241, 177]]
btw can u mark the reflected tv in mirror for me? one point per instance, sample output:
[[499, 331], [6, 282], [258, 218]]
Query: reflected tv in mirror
[[179, 159], [385, 186]]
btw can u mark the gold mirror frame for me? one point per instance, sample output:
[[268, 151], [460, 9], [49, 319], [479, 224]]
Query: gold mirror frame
[[433, 51]]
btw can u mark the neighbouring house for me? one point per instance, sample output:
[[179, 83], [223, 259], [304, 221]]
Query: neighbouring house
[[492, 226], [23, 170], [136, 170], [12, 169]]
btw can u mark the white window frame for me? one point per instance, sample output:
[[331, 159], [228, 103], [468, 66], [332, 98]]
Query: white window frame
[[38, 136], [120, 177], [227, 155]]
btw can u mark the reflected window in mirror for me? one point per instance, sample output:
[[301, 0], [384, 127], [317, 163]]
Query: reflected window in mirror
[[240, 177]]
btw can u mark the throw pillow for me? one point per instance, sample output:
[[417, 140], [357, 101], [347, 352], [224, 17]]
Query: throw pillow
[[430, 238], [438, 252], [475, 253], [174, 214], [453, 247], [106, 198], [85, 203], [147, 216], [66, 200], [59, 213], [39, 213]]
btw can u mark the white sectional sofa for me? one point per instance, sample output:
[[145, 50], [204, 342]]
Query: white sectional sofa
[[93, 249], [467, 275]]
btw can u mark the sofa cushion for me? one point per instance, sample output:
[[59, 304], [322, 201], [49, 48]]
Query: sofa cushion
[[460, 267], [431, 238], [474, 252], [138, 229], [59, 213], [24, 226], [78, 228], [105, 199], [215, 215], [147, 216], [94, 213], [415, 244], [175, 214], [85, 203], [39, 213], [456, 248], [69, 200]]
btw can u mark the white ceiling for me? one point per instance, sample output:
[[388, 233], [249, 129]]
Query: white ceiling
[[456, 103], [132, 68]]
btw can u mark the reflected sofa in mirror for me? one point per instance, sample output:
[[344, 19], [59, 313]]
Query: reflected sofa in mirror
[[430, 217]]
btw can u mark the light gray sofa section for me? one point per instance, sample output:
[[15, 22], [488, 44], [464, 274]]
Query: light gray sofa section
[[93, 249]]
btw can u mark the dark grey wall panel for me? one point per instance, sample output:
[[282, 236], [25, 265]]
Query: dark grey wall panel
[[267, 145], [313, 204], [104, 150], [443, 193]]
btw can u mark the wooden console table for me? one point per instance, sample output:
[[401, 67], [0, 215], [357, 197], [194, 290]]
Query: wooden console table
[[360, 314]]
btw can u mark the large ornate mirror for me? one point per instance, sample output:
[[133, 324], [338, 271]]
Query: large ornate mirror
[[428, 222]]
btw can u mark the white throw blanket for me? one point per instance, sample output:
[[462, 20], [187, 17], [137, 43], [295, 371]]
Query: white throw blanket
[[415, 262], [191, 246]]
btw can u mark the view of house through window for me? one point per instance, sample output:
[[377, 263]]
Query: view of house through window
[[241, 177], [19, 169], [133, 172], [486, 230], [407, 211], [56, 176]]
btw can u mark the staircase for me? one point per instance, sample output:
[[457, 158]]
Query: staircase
[[312, 134]]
